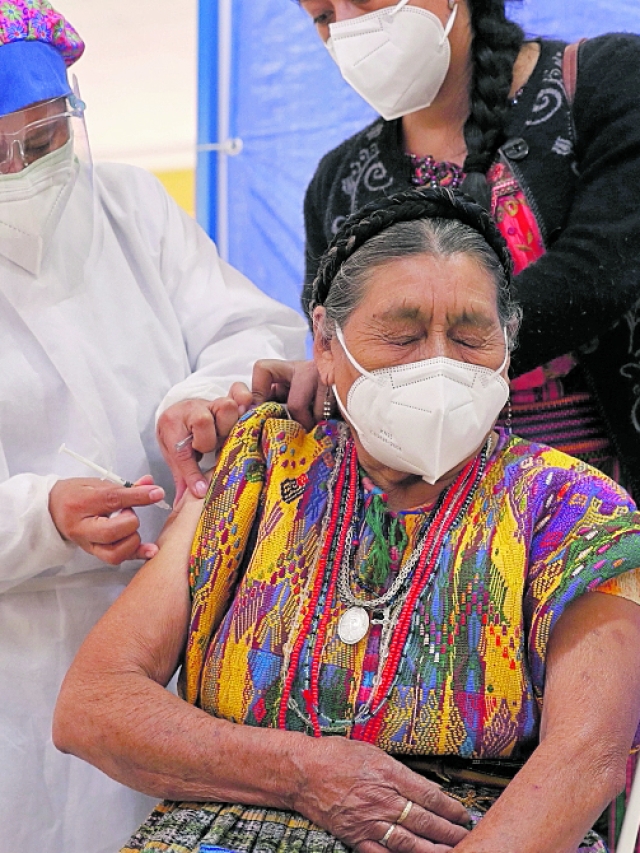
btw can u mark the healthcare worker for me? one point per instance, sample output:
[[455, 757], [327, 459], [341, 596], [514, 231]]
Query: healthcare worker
[[111, 301]]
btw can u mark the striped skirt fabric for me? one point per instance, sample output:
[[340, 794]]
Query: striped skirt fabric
[[184, 827]]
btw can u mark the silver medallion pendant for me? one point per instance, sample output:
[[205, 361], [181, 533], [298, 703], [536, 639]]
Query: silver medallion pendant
[[353, 625]]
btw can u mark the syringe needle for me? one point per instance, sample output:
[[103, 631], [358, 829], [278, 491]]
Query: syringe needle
[[104, 472]]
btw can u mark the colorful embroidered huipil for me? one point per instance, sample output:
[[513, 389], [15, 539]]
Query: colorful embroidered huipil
[[542, 529]]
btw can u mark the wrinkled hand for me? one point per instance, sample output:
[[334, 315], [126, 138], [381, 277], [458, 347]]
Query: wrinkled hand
[[355, 791], [97, 516], [210, 422], [295, 382]]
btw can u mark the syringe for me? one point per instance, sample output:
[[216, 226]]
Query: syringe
[[107, 475]]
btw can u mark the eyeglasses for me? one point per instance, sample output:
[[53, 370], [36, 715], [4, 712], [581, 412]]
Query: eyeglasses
[[34, 140]]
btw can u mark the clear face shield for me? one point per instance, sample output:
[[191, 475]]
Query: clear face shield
[[45, 159]]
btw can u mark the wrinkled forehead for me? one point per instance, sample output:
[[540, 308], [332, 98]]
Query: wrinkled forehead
[[425, 287], [15, 122]]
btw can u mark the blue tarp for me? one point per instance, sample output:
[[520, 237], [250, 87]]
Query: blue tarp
[[289, 105]]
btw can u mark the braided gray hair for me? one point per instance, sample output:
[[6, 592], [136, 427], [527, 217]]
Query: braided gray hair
[[435, 222]]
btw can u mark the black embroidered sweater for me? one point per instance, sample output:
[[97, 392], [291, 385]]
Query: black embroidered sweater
[[581, 174]]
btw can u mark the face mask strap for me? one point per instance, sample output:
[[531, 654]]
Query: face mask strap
[[354, 363], [343, 409], [359, 368], [397, 8], [448, 27], [450, 23], [341, 405], [506, 352]]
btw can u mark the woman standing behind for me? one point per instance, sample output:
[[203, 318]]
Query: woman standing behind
[[467, 102]]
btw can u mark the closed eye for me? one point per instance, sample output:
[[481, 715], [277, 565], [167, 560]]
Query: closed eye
[[322, 20], [402, 342], [38, 148], [467, 342], [321, 12], [407, 342]]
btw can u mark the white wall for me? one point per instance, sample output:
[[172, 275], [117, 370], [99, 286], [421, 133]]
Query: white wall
[[138, 78]]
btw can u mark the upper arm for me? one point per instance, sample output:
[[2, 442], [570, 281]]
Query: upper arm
[[145, 630], [227, 322], [591, 707], [593, 672]]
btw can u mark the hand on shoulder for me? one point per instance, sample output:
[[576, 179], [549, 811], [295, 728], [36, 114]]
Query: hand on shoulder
[[188, 429]]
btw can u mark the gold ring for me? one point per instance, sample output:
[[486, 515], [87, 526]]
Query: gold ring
[[384, 841], [405, 812]]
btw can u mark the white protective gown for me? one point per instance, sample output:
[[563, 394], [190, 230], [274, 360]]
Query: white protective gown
[[85, 358]]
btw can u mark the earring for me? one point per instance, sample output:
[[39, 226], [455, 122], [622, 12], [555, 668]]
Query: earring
[[508, 421], [326, 409]]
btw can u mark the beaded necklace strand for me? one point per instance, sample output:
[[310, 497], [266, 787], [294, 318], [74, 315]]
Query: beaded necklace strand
[[309, 607], [337, 533], [427, 171], [452, 508]]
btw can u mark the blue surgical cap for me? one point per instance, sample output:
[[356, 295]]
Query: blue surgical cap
[[30, 71]]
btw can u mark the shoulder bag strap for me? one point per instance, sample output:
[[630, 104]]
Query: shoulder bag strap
[[570, 69]]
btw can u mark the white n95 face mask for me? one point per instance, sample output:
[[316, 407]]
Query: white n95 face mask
[[426, 417], [395, 58], [31, 204]]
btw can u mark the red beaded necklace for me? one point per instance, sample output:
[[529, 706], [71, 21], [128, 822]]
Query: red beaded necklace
[[316, 613]]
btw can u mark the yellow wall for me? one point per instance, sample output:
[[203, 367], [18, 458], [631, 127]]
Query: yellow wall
[[181, 185]]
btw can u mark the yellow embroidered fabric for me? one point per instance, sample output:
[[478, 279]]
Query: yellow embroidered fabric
[[541, 530]]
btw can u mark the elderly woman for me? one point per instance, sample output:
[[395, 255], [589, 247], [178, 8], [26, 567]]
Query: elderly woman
[[391, 620]]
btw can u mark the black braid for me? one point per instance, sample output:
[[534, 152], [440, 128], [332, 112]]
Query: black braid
[[405, 206], [494, 50]]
